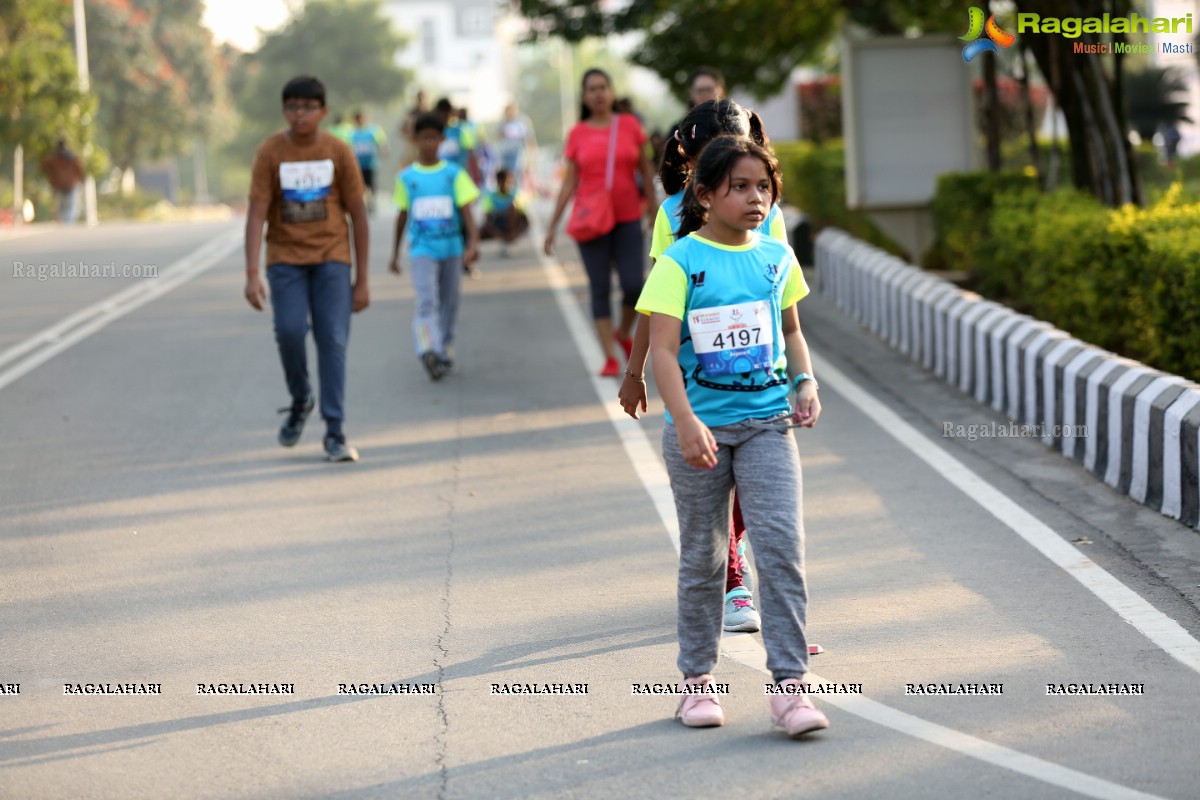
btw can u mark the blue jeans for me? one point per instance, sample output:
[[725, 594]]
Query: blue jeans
[[323, 292]]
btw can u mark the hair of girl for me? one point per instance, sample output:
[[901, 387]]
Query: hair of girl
[[703, 122], [584, 111], [713, 166]]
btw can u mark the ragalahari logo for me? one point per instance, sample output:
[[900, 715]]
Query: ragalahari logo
[[976, 28]]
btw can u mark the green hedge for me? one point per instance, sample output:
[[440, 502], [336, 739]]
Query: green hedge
[[1126, 280], [814, 179], [962, 208]]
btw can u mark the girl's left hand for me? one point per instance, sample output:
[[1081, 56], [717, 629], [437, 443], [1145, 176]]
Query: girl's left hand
[[807, 405]]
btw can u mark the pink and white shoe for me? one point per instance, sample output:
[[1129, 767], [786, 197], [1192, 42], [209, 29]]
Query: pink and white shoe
[[702, 709], [794, 712]]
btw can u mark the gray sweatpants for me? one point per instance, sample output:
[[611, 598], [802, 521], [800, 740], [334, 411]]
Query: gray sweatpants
[[765, 467], [437, 283]]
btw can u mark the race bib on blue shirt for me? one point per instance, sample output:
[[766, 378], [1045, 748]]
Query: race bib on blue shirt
[[734, 339]]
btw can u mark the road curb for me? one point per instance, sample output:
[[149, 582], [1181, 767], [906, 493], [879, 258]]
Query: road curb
[[1140, 427]]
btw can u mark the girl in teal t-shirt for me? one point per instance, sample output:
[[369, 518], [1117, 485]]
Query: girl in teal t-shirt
[[726, 379], [702, 124]]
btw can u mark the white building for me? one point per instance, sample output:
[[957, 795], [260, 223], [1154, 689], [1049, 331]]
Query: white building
[[461, 49]]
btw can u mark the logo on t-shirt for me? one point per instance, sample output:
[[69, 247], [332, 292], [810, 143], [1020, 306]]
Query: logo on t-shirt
[[305, 186]]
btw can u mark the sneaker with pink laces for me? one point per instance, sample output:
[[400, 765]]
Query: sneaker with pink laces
[[700, 708], [794, 712]]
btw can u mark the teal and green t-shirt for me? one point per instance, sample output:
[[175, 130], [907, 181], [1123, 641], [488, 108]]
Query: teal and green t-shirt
[[730, 302], [433, 197]]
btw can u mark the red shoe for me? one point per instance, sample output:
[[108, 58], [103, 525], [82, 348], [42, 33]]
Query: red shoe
[[611, 368], [626, 344]]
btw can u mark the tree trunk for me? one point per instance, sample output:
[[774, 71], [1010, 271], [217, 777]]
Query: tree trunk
[[991, 114], [1035, 155], [1091, 103]]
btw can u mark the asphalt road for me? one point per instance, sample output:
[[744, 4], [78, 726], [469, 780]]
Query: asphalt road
[[507, 527]]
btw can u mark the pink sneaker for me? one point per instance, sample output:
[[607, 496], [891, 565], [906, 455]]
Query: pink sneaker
[[700, 710], [795, 713]]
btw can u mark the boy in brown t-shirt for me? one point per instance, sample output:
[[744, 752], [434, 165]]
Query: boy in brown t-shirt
[[304, 183]]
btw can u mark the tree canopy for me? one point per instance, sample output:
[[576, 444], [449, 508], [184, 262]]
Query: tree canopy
[[755, 43], [349, 44], [154, 69], [40, 100]]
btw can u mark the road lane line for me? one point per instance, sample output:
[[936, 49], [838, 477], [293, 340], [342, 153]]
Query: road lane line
[[31, 353], [746, 650]]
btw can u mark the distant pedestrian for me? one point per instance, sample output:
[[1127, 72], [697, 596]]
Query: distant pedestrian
[[516, 142], [604, 152], [303, 184], [458, 141], [484, 157], [420, 106], [728, 354], [705, 83], [341, 129], [369, 143], [65, 172], [1170, 139], [504, 212], [436, 194]]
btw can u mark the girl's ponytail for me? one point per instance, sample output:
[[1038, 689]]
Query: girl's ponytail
[[692, 215], [757, 134], [673, 171]]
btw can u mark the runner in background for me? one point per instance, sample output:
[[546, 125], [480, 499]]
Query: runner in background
[[458, 143], [517, 144], [369, 142], [420, 106], [65, 173], [504, 212], [484, 158]]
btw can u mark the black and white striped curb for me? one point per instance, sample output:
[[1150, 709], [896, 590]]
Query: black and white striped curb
[[1142, 425]]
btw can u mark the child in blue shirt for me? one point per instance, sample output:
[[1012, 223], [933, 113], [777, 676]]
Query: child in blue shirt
[[726, 381], [436, 195], [504, 213]]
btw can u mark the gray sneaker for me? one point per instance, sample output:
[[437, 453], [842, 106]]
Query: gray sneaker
[[293, 426], [740, 614], [336, 449]]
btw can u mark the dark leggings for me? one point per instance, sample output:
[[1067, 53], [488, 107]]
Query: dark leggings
[[623, 245]]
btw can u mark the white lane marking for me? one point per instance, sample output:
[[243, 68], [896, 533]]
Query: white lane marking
[[743, 648], [45, 345], [1156, 626]]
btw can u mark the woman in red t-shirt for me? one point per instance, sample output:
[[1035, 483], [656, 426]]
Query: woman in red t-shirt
[[586, 154]]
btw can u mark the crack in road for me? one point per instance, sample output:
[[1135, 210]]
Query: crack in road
[[441, 657]]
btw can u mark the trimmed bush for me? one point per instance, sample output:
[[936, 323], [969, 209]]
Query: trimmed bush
[[962, 207], [1127, 280]]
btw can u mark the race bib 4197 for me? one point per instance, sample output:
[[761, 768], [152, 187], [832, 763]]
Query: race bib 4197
[[734, 339]]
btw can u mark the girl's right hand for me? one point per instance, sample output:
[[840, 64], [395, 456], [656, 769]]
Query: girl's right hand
[[548, 245], [632, 396], [394, 265], [696, 442]]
